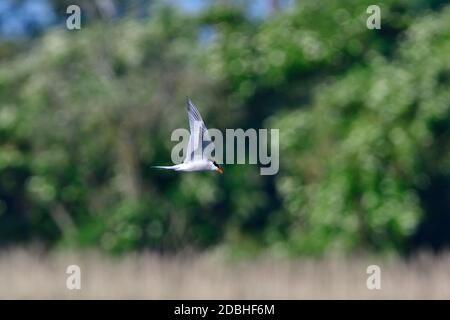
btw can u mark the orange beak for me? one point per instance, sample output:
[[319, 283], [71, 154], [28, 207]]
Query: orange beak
[[220, 170]]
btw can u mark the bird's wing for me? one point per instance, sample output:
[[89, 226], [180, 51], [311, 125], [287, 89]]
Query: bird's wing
[[199, 138]]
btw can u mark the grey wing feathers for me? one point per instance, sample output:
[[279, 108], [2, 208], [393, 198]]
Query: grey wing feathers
[[194, 116], [199, 133]]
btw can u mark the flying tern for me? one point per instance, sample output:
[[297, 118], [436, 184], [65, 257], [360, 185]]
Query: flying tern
[[199, 139]]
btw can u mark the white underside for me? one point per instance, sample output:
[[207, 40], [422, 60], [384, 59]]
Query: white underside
[[200, 165]]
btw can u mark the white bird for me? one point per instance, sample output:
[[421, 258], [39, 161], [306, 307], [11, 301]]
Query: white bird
[[199, 139]]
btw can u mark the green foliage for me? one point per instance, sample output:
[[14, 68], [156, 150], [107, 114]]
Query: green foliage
[[356, 157], [363, 117]]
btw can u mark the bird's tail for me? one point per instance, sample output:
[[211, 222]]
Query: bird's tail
[[163, 167]]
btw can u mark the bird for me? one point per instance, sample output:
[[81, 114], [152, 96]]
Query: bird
[[199, 139]]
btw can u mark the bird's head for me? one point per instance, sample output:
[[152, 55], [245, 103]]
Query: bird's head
[[215, 167]]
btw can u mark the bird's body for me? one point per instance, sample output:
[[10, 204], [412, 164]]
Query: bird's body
[[198, 141], [200, 165]]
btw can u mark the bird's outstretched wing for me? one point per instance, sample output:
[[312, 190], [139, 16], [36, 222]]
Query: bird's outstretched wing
[[199, 138]]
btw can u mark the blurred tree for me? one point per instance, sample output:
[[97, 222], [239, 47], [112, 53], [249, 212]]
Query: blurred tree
[[363, 118], [358, 160], [75, 160], [277, 65]]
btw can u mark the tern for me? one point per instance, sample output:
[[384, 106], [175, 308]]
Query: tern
[[199, 139]]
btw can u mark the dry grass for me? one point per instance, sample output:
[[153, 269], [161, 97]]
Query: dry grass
[[29, 275]]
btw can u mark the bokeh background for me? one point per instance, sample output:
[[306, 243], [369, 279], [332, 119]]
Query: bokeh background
[[364, 120]]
